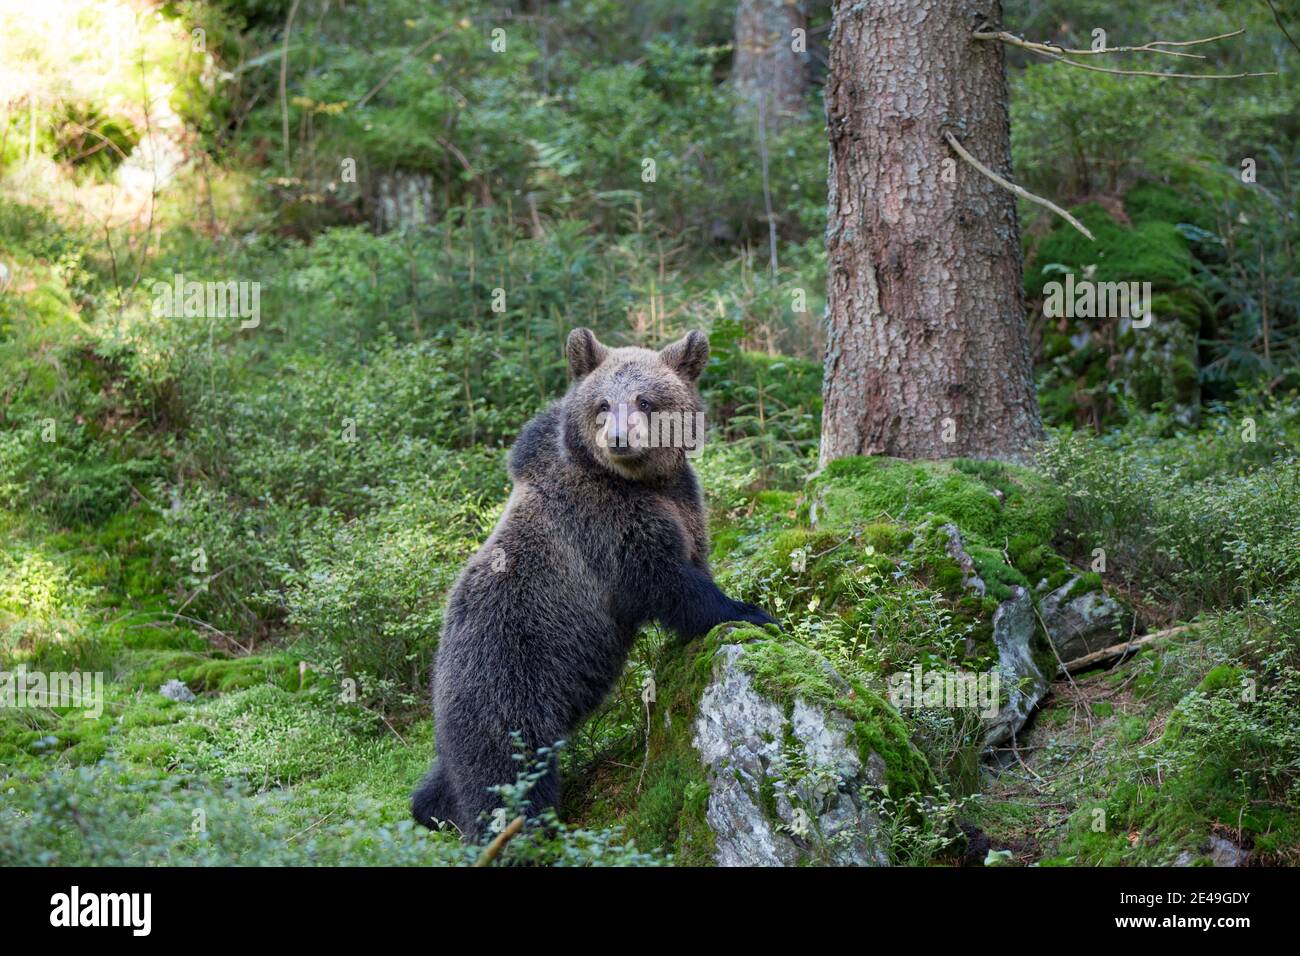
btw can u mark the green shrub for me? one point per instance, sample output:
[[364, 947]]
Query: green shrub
[[1075, 132], [368, 600], [1197, 543], [106, 815]]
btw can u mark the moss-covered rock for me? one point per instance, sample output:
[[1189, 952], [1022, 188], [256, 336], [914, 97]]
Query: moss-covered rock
[[1080, 617], [797, 756], [990, 502], [759, 752]]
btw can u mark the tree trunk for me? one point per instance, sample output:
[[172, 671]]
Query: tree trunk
[[927, 352], [767, 70]]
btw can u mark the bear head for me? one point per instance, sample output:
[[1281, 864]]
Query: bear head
[[633, 411]]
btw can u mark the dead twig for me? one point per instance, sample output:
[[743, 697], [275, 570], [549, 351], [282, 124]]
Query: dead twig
[[1155, 46], [1054, 53]]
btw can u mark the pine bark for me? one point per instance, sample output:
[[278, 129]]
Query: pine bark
[[927, 352]]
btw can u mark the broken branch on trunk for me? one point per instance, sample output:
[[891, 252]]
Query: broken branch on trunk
[[1053, 52], [1155, 46], [1018, 190]]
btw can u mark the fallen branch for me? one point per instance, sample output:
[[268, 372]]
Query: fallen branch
[[505, 836], [1018, 190], [1119, 650]]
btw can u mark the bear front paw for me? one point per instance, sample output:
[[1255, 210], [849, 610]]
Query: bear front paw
[[753, 614]]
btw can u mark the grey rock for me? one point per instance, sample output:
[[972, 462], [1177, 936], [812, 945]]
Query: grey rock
[[820, 816], [177, 691], [1226, 853], [957, 551], [403, 200], [1014, 625], [1080, 625], [1020, 677]]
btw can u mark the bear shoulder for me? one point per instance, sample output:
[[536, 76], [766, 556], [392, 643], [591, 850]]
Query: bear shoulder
[[536, 452]]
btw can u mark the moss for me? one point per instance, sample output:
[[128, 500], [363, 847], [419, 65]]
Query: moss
[[1151, 821], [776, 502], [1151, 251], [117, 558], [265, 735], [998, 576], [1086, 583], [1164, 798], [1106, 377], [1037, 561], [1148, 202], [1222, 677], [887, 537], [1043, 652], [223, 676], [161, 638], [784, 671], [1132, 729], [207, 673], [669, 814], [860, 491]]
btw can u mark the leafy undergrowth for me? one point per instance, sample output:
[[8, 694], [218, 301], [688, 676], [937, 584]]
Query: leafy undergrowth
[[281, 759], [1187, 754], [273, 520]]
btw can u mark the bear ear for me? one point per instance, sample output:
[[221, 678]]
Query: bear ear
[[584, 352], [687, 356]]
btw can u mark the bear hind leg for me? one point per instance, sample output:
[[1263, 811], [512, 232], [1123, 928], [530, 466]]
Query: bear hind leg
[[435, 799], [478, 800]]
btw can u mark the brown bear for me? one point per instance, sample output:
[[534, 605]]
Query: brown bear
[[604, 531]]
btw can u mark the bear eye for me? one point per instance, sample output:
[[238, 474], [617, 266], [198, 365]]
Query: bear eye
[[604, 406], [644, 405]]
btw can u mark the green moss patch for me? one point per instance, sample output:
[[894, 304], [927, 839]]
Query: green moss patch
[[986, 500], [784, 671], [214, 674]]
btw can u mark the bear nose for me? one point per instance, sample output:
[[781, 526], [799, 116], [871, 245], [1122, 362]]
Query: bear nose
[[617, 426], [620, 428]]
